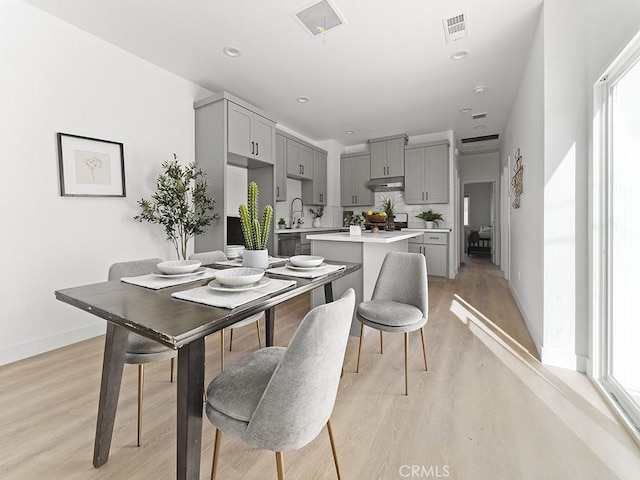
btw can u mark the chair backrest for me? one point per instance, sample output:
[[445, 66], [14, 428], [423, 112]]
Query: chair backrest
[[474, 237], [133, 268], [300, 396], [207, 258], [403, 279]]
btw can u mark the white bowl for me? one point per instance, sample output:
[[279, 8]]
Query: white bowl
[[235, 277], [175, 267], [306, 261]]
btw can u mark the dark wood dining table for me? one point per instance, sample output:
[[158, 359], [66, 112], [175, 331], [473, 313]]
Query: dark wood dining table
[[179, 324]]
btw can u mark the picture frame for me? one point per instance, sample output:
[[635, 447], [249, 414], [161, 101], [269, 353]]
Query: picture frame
[[90, 167]]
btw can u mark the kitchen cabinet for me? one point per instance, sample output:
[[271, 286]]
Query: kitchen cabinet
[[355, 172], [299, 160], [249, 134], [434, 246], [281, 168], [426, 174], [314, 192], [387, 156]]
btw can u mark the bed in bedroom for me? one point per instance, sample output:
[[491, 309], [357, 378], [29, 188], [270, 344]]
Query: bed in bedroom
[[479, 241]]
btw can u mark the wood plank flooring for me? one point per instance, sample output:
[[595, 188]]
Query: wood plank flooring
[[486, 409]]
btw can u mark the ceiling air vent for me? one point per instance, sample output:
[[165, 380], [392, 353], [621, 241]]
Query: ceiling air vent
[[478, 116], [318, 17], [456, 27], [480, 139]]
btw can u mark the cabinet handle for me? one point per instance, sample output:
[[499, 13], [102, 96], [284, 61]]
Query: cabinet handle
[[427, 194], [257, 148], [277, 191], [299, 169], [253, 146], [303, 169], [422, 193]]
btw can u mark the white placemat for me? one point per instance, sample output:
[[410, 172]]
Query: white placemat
[[237, 262], [156, 283], [306, 273], [208, 296]]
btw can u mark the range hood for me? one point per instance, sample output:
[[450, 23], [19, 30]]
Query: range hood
[[386, 184]]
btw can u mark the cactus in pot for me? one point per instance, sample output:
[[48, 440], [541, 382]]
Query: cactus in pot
[[255, 233]]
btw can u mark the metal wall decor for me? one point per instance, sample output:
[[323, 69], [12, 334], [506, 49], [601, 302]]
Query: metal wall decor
[[517, 180]]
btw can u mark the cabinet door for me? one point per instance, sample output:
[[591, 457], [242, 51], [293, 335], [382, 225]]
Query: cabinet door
[[294, 169], [281, 168], [239, 134], [414, 178], [378, 159], [362, 175], [436, 259], [263, 137], [395, 157], [314, 192], [437, 174], [306, 162], [347, 197]]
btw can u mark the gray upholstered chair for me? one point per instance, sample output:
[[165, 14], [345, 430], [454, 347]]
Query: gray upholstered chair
[[400, 303], [279, 398], [141, 350], [208, 258]]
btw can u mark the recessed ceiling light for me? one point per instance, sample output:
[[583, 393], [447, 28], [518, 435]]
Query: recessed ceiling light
[[479, 89], [348, 132], [302, 99], [461, 55], [231, 51], [465, 110], [479, 127]]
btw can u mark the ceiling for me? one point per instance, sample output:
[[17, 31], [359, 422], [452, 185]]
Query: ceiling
[[387, 70]]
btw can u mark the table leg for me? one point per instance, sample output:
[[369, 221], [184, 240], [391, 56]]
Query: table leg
[[189, 410], [328, 292], [115, 346], [269, 324]]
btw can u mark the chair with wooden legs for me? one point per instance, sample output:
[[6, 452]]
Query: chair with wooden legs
[[399, 304], [279, 398], [209, 258], [141, 350]]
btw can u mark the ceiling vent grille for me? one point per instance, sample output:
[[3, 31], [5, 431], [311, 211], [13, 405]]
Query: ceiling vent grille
[[456, 27], [318, 17], [480, 139], [478, 116]]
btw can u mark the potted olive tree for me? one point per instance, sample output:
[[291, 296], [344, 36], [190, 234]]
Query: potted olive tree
[[180, 204], [255, 233]]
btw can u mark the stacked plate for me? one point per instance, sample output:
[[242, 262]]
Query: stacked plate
[[233, 251]]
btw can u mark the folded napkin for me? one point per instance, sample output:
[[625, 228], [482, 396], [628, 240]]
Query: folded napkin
[[156, 283], [306, 273], [237, 262], [214, 298]]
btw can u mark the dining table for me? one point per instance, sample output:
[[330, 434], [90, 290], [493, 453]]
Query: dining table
[[174, 316]]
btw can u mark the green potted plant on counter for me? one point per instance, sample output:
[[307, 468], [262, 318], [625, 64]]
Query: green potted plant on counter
[[356, 224], [431, 218], [255, 234], [281, 223], [180, 204]]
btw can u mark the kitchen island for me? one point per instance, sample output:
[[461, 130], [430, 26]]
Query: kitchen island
[[368, 249]]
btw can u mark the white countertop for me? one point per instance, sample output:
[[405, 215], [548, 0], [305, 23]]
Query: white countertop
[[284, 231], [425, 230], [367, 237]]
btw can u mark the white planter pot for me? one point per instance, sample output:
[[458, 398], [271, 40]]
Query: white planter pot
[[430, 224], [255, 258], [316, 222], [355, 230]]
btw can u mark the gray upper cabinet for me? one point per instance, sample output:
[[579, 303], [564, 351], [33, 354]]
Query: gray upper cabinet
[[314, 192], [250, 135], [281, 168], [387, 156], [299, 160], [427, 174], [355, 173]]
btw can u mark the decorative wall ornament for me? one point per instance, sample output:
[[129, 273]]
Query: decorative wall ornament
[[517, 180]]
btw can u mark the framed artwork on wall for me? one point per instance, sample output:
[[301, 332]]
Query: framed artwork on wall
[[90, 167]]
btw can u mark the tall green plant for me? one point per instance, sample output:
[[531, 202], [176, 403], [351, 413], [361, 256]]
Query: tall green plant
[[255, 235], [180, 204]]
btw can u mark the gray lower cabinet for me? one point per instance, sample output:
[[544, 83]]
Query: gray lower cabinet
[[426, 174], [387, 156], [281, 168], [435, 248], [249, 134], [354, 175], [299, 160], [314, 192]]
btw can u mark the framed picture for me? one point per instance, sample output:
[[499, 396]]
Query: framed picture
[[90, 167]]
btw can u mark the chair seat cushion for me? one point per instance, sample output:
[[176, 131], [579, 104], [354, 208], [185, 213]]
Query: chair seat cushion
[[390, 314], [139, 344], [237, 391]]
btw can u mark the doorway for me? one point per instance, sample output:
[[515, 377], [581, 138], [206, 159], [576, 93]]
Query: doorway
[[479, 201]]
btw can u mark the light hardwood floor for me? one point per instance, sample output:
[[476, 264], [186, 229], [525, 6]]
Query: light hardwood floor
[[486, 409]]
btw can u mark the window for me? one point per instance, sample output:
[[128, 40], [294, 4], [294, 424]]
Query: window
[[466, 210]]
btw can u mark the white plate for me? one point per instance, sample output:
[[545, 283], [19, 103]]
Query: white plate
[[216, 285], [173, 267], [178, 275], [319, 267]]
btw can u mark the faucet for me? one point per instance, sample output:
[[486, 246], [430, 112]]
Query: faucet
[[292, 213]]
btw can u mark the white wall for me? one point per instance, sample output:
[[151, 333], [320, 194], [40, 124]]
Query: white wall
[[57, 78]]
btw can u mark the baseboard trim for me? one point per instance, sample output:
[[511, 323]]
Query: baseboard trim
[[13, 353], [537, 341]]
